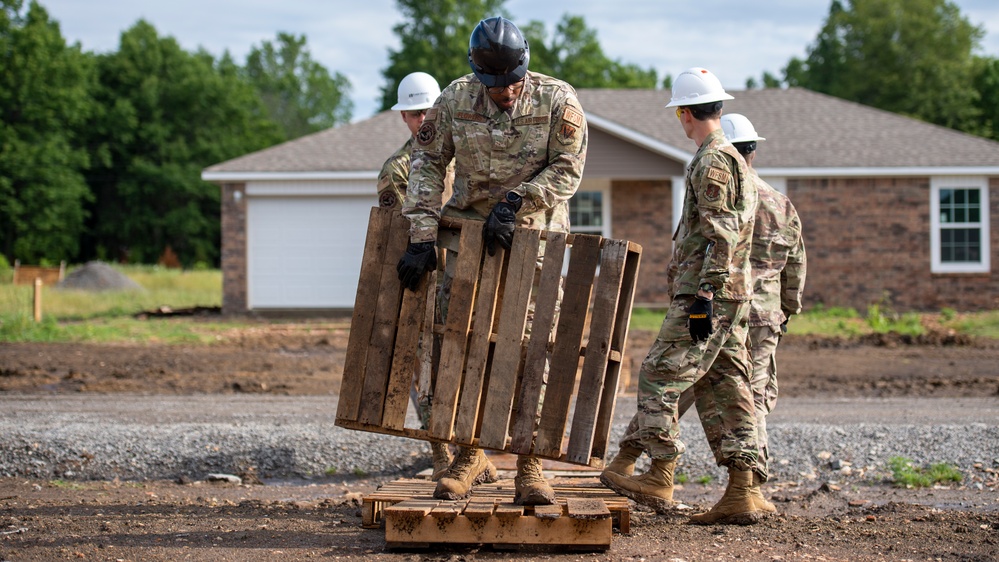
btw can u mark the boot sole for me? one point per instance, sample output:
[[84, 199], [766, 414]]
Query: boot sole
[[658, 504], [749, 518]]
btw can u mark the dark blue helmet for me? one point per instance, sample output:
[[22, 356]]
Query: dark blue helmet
[[498, 52]]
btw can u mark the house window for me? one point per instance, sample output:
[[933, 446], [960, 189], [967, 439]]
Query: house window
[[586, 212], [959, 240]]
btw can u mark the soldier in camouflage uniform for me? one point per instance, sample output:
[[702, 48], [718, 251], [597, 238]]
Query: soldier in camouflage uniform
[[416, 94], [705, 329], [518, 141], [778, 261]]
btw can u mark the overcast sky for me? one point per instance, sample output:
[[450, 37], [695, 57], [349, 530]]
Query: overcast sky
[[733, 39]]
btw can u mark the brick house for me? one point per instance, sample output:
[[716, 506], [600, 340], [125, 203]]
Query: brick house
[[892, 208]]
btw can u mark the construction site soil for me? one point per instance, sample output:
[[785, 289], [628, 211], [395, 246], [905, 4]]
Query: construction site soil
[[321, 519]]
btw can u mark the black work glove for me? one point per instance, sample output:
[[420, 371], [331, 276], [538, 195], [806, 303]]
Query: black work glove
[[783, 326], [420, 257], [500, 223], [699, 319]]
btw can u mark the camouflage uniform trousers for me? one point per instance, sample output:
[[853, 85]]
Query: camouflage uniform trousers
[[675, 363], [763, 342], [424, 396]]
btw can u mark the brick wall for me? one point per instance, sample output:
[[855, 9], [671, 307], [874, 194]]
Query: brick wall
[[868, 239], [641, 211], [234, 248]]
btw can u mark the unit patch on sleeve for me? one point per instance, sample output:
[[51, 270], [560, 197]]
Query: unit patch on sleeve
[[719, 175], [570, 115], [427, 133], [387, 199]]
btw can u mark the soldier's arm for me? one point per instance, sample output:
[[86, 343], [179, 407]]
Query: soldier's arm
[[559, 179], [792, 277], [432, 153], [714, 180], [393, 182]]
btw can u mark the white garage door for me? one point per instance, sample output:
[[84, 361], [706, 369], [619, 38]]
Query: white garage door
[[305, 252]]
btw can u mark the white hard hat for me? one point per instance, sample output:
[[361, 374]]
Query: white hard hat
[[418, 90], [739, 129], [696, 86]]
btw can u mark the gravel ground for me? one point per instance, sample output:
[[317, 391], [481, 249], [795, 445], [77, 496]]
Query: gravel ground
[[140, 437]]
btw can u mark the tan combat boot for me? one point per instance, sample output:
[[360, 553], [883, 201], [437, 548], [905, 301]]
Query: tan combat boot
[[442, 459], [624, 462], [531, 486], [759, 500], [736, 507], [654, 488], [469, 468]]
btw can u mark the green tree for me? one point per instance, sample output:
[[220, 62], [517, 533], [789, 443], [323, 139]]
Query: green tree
[[912, 57], [44, 101], [987, 84], [299, 93], [165, 114], [574, 54], [434, 39]]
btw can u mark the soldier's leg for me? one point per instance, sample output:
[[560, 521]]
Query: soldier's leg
[[763, 342]]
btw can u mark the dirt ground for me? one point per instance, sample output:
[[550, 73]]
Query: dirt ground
[[162, 520]]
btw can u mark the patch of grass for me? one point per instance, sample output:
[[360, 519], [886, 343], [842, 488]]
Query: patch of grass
[[830, 322], [647, 319], [905, 475], [66, 484], [883, 319], [705, 480], [360, 472], [330, 471], [75, 315], [681, 478], [979, 324]]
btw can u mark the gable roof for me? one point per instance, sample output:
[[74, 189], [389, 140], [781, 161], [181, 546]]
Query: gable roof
[[807, 134], [805, 129], [356, 147]]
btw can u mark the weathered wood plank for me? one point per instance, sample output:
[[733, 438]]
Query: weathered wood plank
[[380, 348], [455, 340], [478, 350], [587, 508], [548, 511], [605, 417], [362, 321], [405, 359], [510, 336], [591, 381], [532, 380], [568, 339]]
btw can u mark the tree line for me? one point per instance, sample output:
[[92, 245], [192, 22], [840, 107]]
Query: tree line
[[101, 154]]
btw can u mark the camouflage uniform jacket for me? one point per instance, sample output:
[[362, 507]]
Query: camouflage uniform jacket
[[394, 177], [713, 240], [778, 258], [537, 150]]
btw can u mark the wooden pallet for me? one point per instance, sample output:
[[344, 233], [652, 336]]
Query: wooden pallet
[[583, 518], [483, 356]]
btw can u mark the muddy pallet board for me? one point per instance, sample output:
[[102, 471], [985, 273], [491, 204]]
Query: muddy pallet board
[[484, 363], [584, 517]]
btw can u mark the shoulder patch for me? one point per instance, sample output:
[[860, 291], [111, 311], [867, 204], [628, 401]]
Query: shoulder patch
[[431, 114], [570, 115], [387, 199], [469, 116], [427, 133], [719, 175]]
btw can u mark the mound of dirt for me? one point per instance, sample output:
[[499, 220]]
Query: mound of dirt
[[98, 276]]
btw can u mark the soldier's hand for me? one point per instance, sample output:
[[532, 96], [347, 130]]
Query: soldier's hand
[[783, 326], [420, 257], [699, 319], [501, 222]]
